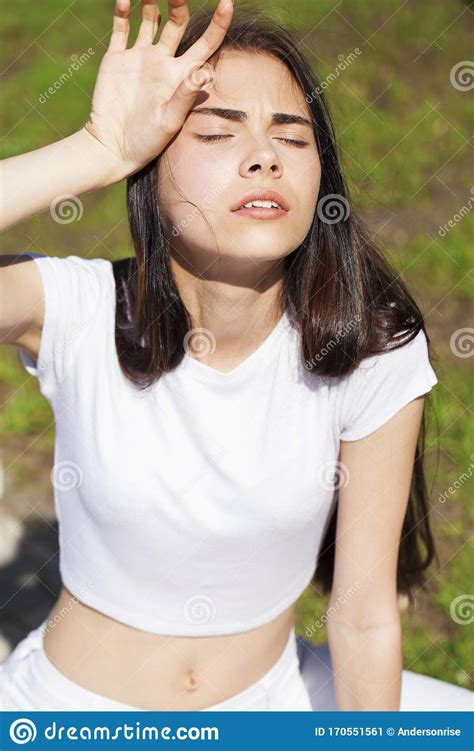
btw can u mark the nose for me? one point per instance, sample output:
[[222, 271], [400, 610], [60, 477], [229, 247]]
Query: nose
[[262, 159]]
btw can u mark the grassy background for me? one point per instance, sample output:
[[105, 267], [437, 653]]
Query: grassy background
[[404, 144]]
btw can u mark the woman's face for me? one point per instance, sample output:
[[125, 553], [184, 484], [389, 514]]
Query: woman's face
[[251, 152]]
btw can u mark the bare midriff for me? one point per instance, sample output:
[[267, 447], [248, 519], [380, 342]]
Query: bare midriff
[[158, 672]]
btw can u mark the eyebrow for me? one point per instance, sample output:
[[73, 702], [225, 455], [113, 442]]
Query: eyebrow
[[278, 118]]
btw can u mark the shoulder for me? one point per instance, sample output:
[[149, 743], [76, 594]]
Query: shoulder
[[79, 296], [382, 384], [74, 285]]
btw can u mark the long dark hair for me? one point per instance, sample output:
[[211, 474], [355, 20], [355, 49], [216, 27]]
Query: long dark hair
[[336, 279]]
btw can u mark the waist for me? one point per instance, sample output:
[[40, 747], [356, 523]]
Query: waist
[[135, 667]]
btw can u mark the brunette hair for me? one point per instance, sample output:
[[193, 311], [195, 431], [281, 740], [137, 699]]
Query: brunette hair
[[337, 279]]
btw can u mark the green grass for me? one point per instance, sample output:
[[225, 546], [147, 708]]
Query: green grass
[[403, 131]]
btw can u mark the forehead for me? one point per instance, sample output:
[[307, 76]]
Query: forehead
[[255, 83]]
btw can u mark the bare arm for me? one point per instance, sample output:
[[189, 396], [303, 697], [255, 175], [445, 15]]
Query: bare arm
[[364, 628], [30, 183], [141, 99], [21, 303]]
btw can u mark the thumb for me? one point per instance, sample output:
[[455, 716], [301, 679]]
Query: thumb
[[183, 98]]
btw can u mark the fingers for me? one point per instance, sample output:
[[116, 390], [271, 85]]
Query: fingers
[[214, 34], [149, 24], [174, 28], [179, 105], [120, 26]]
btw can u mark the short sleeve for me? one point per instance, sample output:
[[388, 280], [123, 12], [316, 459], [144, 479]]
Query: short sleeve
[[76, 290], [382, 385]]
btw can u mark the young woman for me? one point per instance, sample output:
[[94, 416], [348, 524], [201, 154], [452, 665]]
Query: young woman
[[253, 374]]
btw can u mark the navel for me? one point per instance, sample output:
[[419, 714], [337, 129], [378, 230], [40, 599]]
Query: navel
[[191, 682]]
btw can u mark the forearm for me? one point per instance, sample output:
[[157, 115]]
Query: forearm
[[31, 182], [367, 666]]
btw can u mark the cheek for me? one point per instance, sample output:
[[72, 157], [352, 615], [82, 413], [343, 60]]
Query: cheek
[[309, 184], [197, 177]]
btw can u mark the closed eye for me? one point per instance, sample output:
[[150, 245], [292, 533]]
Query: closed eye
[[300, 144], [211, 139]]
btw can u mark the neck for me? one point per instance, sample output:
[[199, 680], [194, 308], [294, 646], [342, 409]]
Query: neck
[[240, 312]]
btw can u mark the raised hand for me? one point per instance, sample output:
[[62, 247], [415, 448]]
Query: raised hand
[[143, 94]]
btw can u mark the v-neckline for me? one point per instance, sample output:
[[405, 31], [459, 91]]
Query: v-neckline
[[198, 369]]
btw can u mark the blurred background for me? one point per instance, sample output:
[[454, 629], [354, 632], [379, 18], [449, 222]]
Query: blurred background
[[397, 76]]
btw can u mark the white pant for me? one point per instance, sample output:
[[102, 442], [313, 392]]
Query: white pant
[[29, 681], [419, 693], [300, 680]]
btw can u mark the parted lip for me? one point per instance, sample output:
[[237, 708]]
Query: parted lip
[[261, 194]]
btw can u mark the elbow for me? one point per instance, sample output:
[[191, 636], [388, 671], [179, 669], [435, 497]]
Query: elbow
[[363, 623]]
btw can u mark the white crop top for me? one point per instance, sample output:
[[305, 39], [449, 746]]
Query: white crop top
[[197, 507]]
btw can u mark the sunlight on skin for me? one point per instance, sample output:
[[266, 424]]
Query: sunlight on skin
[[244, 250]]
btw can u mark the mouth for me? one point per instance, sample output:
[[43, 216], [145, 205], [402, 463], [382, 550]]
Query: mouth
[[261, 204], [261, 213]]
